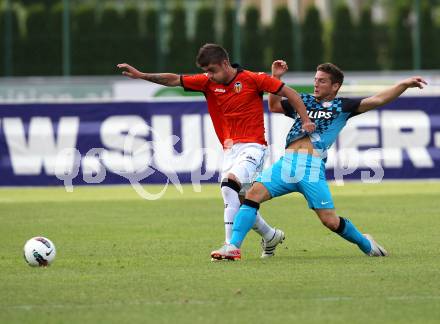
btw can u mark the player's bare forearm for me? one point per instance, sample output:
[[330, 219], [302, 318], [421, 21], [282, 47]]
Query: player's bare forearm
[[166, 79], [382, 98], [278, 69], [296, 102], [390, 94]]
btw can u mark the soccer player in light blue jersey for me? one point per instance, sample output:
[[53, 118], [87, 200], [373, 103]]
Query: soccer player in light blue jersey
[[302, 168]]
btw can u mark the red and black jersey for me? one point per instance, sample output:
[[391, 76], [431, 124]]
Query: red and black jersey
[[236, 108]]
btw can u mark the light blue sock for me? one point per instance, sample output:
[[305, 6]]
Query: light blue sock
[[243, 222], [349, 232]]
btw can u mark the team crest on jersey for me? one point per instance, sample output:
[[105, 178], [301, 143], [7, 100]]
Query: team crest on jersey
[[327, 104], [237, 87]]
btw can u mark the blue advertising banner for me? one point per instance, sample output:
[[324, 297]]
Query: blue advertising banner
[[158, 142]]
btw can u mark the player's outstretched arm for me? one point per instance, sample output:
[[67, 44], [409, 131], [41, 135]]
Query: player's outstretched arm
[[296, 102], [279, 67], [166, 79], [391, 93]]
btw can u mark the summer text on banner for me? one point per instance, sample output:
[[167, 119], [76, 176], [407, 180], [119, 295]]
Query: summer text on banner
[[158, 142]]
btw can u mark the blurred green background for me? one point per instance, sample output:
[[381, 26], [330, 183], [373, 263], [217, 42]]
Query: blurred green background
[[78, 37]]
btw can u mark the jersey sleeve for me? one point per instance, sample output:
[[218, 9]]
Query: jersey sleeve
[[351, 106], [266, 83], [289, 111], [196, 82]]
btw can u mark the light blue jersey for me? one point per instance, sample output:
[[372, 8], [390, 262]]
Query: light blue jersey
[[305, 173], [329, 117]]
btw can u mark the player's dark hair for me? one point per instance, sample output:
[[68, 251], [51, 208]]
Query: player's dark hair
[[336, 74], [211, 54]]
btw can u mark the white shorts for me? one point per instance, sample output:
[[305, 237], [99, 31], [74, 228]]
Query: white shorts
[[245, 161]]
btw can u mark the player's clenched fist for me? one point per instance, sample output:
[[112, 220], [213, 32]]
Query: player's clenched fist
[[279, 67], [309, 127]]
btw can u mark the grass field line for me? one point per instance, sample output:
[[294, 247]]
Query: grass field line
[[214, 302]]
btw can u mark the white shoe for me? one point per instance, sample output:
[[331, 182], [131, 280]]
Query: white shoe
[[226, 252], [270, 246], [376, 249]]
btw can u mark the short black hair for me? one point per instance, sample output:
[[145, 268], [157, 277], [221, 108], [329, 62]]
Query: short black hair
[[211, 54], [336, 74]]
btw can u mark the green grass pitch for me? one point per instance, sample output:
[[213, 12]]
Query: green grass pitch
[[121, 259]]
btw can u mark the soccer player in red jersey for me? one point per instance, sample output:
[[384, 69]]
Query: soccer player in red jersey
[[235, 104]]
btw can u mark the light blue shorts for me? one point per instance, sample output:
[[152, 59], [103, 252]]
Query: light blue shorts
[[298, 172]]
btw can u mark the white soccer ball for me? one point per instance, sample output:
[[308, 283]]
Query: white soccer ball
[[39, 252]]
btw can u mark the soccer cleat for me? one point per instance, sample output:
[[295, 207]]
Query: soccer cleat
[[270, 246], [226, 252], [376, 249]]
